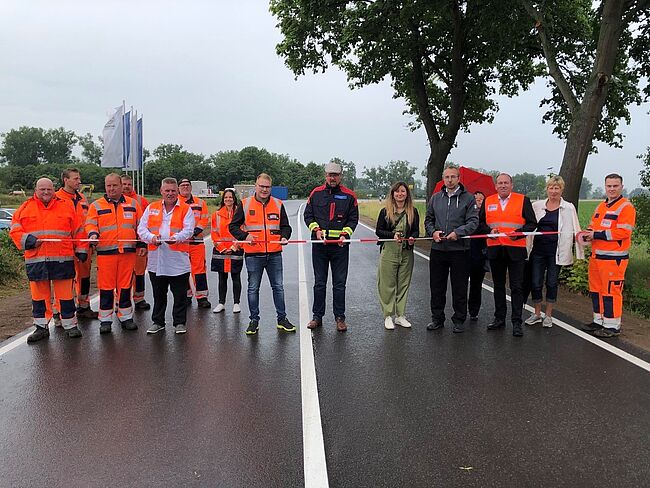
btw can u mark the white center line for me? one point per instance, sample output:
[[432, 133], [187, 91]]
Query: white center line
[[603, 345], [315, 465]]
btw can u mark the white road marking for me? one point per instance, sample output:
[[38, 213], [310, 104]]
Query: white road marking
[[602, 344], [315, 465]]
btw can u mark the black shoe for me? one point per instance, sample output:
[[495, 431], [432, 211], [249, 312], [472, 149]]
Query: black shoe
[[592, 327], [606, 333], [128, 324], [252, 327], [203, 303], [473, 318], [435, 325], [38, 334], [286, 326], [86, 313], [458, 329], [142, 305], [517, 330], [496, 324], [74, 332], [105, 328]]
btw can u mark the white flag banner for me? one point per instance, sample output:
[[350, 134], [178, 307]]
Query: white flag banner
[[133, 142], [113, 136]]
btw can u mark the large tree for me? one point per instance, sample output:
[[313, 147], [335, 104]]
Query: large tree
[[443, 57], [596, 54]]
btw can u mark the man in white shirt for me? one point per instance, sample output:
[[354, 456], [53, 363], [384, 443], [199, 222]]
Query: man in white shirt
[[167, 226]]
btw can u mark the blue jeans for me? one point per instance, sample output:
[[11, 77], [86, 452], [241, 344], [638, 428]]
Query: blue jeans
[[539, 266], [255, 265]]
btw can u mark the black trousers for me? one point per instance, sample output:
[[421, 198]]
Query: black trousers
[[444, 265], [223, 286], [324, 257], [501, 265], [178, 286], [476, 275]]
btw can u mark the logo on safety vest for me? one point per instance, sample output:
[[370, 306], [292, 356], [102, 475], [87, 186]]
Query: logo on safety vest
[[492, 208]]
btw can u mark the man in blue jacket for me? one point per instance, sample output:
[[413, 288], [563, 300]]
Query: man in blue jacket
[[331, 214]]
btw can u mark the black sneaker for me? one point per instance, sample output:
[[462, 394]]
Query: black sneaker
[[105, 328], [142, 305], [252, 327], [591, 327], [435, 325], [496, 324], [38, 334], [517, 330], [128, 324], [286, 326], [606, 333], [203, 303], [458, 329], [74, 332]]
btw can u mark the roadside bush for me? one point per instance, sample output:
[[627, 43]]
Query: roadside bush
[[11, 261], [642, 205], [576, 276]]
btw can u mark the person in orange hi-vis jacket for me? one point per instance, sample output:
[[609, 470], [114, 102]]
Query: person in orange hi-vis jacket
[[112, 223], [197, 246], [71, 180], [49, 231], [227, 256], [610, 235], [140, 259]]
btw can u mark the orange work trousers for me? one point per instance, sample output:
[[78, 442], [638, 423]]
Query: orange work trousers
[[138, 282], [114, 279], [606, 278], [82, 280], [197, 261], [42, 294]]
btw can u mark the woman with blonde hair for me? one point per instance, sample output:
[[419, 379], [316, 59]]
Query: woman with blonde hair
[[548, 253], [398, 220]]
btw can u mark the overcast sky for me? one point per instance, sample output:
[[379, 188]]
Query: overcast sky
[[205, 75]]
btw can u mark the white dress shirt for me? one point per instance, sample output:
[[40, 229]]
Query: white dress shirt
[[164, 261]]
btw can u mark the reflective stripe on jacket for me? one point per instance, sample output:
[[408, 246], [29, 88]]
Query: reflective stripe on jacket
[[58, 220], [508, 220], [175, 226], [112, 222], [612, 224], [201, 217], [219, 229], [263, 222], [78, 200], [142, 201]]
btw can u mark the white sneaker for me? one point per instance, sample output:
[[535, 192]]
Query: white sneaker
[[219, 308], [236, 308], [388, 323], [401, 321], [547, 322], [533, 319]]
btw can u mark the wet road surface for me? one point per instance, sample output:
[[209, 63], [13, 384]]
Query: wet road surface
[[399, 408]]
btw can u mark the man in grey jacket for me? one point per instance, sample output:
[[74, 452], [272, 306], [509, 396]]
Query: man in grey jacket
[[451, 214]]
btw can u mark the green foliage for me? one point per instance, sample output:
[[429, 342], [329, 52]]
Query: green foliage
[[530, 185], [379, 179], [443, 58], [585, 188], [11, 261], [576, 276], [91, 152], [25, 177], [32, 146], [642, 202]]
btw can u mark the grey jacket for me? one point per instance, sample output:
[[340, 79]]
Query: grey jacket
[[457, 214]]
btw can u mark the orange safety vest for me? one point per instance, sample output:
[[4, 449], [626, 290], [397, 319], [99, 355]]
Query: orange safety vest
[[508, 220], [219, 229], [175, 226], [58, 220], [201, 216], [142, 201], [263, 222], [614, 222], [112, 222]]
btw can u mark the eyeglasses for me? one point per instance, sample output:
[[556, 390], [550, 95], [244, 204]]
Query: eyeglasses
[[264, 187]]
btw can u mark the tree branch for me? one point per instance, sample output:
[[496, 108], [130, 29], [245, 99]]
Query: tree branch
[[551, 58]]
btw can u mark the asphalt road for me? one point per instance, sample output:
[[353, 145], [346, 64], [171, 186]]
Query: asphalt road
[[398, 408]]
